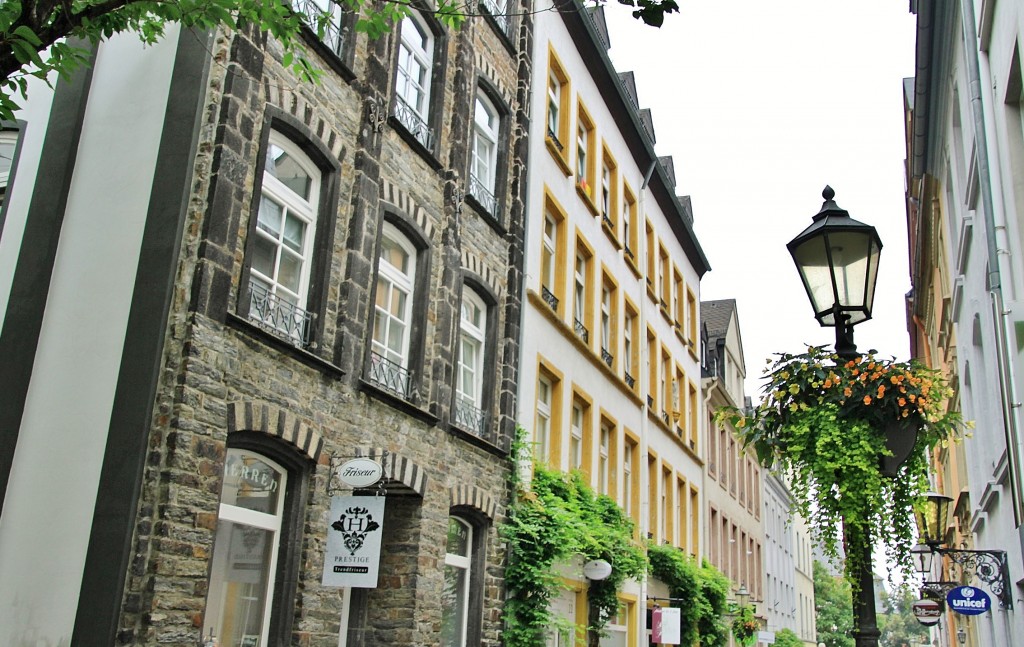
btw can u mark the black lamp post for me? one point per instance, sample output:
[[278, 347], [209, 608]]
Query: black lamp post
[[837, 258]]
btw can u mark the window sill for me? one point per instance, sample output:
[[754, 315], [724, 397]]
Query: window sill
[[663, 309], [427, 154], [314, 361], [691, 347], [486, 215], [396, 402], [609, 231], [340, 63], [631, 262], [558, 154], [651, 293], [679, 334], [584, 194], [489, 445]]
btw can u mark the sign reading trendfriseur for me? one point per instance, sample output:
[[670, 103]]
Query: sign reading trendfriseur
[[354, 530]]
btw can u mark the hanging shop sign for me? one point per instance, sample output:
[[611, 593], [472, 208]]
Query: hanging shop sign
[[968, 600], [927, 611], [360, 472], [354, 530], [666, 625]]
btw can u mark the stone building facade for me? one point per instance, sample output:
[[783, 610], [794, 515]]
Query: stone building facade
[[338, 274]]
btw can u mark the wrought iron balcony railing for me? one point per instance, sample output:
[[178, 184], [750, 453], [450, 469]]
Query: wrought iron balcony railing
[[630, 380], [607, 221], [484, 196], [553, 136], [581, 330], [497, 13], [414, 123], [333, 36], [549, 297], [390, 376], [607, 357], [279, 317], [469, 417]]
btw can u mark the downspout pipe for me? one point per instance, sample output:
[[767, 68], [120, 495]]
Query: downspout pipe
[[996, 260]]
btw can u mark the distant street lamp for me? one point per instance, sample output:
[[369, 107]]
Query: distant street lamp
[[837, 258]]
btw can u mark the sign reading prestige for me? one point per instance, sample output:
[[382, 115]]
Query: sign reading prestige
[[968, 600], [353, 541]]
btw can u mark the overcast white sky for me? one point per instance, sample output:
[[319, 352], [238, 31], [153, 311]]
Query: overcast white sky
[[762, 104]]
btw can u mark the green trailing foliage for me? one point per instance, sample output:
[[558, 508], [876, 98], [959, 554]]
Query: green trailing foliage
[[822, 422], [556, 518], [704, 591], [787, 638]]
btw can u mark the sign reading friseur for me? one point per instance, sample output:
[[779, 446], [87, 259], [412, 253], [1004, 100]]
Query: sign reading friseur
[[360, 472]]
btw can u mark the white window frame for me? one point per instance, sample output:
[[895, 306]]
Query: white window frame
[[548, 269], [606, 319], [291, 203], [579, 303], [627, 346], [332, 34], [627, 478], [271, 523], [484, 167], [401, 281], [582, 150], [554, 103], [606, 190], [475, 336], [542, 428], [576, 437], [415, 65], [465, 563], [604, 448]]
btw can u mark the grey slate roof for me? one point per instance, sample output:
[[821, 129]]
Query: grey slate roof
[[716, 315]]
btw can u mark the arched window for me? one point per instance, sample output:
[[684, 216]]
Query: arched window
[[469, 404], [458, 561], [245, 555], [413, 78], [483, 172], [282, 245], [392, 325]]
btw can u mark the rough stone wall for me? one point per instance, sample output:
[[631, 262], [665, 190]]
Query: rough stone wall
[[215, 360]]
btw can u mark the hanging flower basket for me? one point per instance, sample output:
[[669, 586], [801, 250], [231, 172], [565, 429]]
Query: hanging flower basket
[[851, 436]]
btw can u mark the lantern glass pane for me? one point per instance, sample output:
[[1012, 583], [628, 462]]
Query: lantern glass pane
[[812, 261]]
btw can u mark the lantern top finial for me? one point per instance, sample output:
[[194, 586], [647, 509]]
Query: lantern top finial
[[828, 193]]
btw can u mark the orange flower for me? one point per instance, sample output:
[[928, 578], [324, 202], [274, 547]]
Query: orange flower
[[902, 402], [881, 390], [867, 399], [847, 391], [828, 383]]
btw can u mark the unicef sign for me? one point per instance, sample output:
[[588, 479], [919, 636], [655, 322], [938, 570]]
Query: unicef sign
[[968, 600]]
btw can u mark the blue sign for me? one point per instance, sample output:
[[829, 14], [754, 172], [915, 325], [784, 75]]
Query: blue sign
[[968, 600]]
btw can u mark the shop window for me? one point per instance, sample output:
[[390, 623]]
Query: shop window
[[253, 562], [458, 560]]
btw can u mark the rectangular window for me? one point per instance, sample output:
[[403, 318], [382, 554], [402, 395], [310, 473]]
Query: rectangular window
[[582, 281], [609, 199], [678, 301], [630, 226], [586, 152], [483, 168], [652, 263], [681, 501], [679, 393], [557, 136], [668, 530], [604, 449], [664, 279], [631, 345], [333, 35], [652, 372], [712, 449], [653, 521], [552, 254], [576, 436], [548, 417], [609, 318], [666, 386], [692, 319], [693, 404], [469, 401], [630, 477], [715, 548]]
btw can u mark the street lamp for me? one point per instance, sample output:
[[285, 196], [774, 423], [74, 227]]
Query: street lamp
[[922, 556], [837, 258], [961, 636], [990, 566]]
